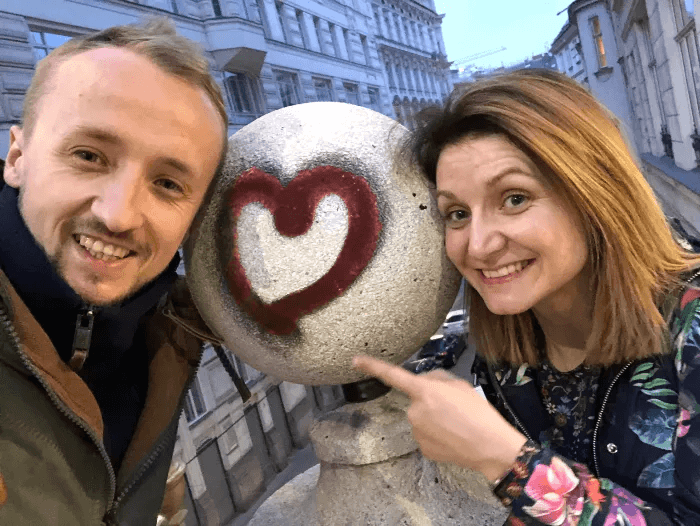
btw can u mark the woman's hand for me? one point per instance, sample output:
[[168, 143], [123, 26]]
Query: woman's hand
[[451, 421]]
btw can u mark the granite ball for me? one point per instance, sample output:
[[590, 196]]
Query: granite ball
[[318, 242]]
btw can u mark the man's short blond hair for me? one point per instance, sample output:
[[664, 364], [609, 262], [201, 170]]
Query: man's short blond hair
[[155, 39]]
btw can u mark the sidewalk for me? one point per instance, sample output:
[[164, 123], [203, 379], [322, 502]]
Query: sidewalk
[[299, 462], [677, 190]]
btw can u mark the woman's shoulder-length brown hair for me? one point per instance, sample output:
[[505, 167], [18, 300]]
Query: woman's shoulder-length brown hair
[[578, 144]]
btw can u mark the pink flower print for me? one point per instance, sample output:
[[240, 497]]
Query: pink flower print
[[624, 509], [549, 486], [683, 428]]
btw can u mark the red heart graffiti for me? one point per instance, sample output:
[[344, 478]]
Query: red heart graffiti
[[293, 208]]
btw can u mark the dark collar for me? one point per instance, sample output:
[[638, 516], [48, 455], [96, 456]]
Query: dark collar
[[55, 304]]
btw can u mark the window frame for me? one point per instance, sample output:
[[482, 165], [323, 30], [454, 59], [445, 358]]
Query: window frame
[[599, 44], [352, 90], [249, 86], [190, 406], [293, 82], [44, 46], [376, 106], [329, 87]]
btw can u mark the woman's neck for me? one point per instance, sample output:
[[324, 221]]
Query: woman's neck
[[566, 331]]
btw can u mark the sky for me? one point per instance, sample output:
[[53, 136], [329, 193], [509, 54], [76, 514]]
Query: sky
[[523, 27]]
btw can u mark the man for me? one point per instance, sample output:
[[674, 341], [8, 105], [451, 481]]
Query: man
[[123, 131]]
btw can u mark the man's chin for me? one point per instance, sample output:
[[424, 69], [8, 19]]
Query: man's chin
[[100, 294]]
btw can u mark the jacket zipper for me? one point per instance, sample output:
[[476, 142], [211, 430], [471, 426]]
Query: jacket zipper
[[507, 405], [145, 464], [4, 317], [600, 417]]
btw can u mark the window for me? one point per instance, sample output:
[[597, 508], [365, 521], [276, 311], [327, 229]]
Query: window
[[683, 11], [348, 43], [324, 90], [302, 28], [688, 42], [45, 42], [390, 75], [426, 87], [374, 99], [365, 49], [389, 27], [280, 15], [409, 78], [319, 37], [242, 93], [334, 39], [287, 86], [352, 94], [217, 7], [598, 41], [399, 75], [195, 407]]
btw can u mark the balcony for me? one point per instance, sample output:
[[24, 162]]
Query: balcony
[[237, 44]]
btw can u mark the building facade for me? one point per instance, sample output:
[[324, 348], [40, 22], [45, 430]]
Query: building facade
[[387, 55], [412, 53], [659, 50], [586, 50]]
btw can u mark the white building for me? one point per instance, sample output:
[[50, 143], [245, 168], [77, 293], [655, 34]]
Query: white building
[[412, 52], [586, 50], [659, 48], [387, 55]]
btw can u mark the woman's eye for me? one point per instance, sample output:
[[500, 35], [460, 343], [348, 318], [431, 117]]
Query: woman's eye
[[87, 156], [456, 216], [515, 200]]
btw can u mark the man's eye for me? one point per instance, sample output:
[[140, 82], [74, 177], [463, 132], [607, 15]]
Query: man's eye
[[87, 156], [169, 185]]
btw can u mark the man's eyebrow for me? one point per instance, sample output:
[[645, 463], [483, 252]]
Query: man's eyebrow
[[105, 135], [93, 132]]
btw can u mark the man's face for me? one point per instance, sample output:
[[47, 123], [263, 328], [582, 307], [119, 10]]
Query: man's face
[[117, 164]]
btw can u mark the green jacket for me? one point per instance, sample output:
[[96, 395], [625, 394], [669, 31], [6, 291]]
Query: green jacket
[[54, 468]]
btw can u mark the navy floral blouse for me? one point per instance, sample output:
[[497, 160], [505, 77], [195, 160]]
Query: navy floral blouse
[[570, 399]]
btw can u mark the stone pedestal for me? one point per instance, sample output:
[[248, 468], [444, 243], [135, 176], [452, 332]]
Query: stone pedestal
[[372, 473]]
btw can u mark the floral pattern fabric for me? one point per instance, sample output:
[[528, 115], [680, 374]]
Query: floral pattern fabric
[[653, 417], [570, 399]]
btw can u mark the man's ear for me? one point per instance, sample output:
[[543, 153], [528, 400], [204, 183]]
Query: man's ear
[[14, 164]]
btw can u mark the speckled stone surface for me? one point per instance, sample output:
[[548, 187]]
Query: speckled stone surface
[[364, 433], [409, 490], [388, 308]]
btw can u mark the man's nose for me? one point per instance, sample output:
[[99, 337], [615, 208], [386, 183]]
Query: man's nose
[[121, 203]]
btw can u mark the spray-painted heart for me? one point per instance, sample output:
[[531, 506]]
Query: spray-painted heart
[[293, 208]]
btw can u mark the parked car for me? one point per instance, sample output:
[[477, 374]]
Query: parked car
[[455, 322], [441, 352]]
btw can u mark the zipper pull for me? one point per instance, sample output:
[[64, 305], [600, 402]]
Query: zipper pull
[[81, 338]]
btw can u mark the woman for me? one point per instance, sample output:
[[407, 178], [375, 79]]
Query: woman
[[582, 309]]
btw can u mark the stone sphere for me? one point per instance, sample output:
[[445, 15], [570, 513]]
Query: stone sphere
[[318, 243]]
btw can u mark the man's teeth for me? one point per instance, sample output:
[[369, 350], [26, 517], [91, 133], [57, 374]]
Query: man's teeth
[[504, 271], [99, 250]]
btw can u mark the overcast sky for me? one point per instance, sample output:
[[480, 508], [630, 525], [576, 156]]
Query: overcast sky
[[523, 27]]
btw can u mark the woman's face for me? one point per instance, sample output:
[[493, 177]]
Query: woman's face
[[516, 241]]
